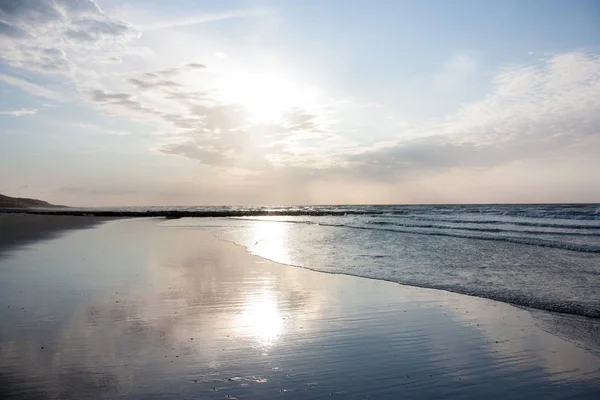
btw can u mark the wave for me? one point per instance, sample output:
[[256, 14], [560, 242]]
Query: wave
[[582, 248], [490, 230], [507, 222], [505, 296], [516, 299], [569, 307]]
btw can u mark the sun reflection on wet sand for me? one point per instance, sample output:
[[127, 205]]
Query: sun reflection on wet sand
[[261, 317]]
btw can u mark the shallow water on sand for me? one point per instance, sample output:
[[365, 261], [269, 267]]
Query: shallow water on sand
[[545, 257], [133, 310]]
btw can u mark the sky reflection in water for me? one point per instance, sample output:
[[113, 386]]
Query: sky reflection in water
[[131, 310]]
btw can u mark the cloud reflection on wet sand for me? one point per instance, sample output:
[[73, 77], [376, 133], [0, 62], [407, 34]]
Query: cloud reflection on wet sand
[[137, 309]]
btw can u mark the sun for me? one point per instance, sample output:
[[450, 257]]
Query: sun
[[266, 95]]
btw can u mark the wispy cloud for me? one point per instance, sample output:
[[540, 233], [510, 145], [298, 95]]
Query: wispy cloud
[[205, 18], [32, 88], [98, 129], [458, 69], [21, 112]]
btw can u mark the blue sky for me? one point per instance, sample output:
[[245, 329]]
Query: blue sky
[[243, 102]]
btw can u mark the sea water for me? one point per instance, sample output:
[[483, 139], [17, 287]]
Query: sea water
[[539, 256]]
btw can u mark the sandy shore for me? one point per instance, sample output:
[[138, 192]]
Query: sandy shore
[[133, 310], [21, 229]]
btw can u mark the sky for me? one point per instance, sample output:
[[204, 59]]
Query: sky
[[190, 102]]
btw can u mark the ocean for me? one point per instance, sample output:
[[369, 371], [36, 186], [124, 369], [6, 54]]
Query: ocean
[[540, 256]]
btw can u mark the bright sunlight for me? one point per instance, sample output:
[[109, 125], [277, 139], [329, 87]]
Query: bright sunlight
[[266, 95], [261, 318]]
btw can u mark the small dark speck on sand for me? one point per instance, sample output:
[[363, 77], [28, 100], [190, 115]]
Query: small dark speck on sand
[[191, 338], [42, 347]]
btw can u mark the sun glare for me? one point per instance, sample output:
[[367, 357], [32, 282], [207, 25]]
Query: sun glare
[[267, 95], [261, 318], [270, 240]]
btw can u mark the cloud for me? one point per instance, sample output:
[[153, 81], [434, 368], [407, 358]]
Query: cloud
[[548, 109], [50, 36], [123, 104], [102, 96], [21, 112], [32, 88], [195, 66], [194, 151], [95, 30], [175, 70], [533, 111], [34, 10], [97, 129], [457, 70], [222, 136], [11, 31], [152, 84], [71, 37], [201, 125], [205, 18]]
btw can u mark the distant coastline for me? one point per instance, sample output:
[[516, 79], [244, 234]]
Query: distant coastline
[[24, 203]]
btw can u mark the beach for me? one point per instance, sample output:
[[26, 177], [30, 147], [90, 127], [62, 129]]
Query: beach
[[136, 309]]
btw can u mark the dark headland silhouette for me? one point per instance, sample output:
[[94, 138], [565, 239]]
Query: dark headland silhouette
[[19, 202]]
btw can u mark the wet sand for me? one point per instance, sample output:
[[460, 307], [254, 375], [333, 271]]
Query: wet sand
[[21, 229], [132, 310]]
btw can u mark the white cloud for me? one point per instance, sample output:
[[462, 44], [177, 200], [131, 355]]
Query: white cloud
[[50, 36], [533, 111], [21, 112], [71, 38], [540, 110]]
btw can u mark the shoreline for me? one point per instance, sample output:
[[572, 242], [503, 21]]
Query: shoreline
[[17, 232], [201, 317], [554, 322], [21, 229]]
